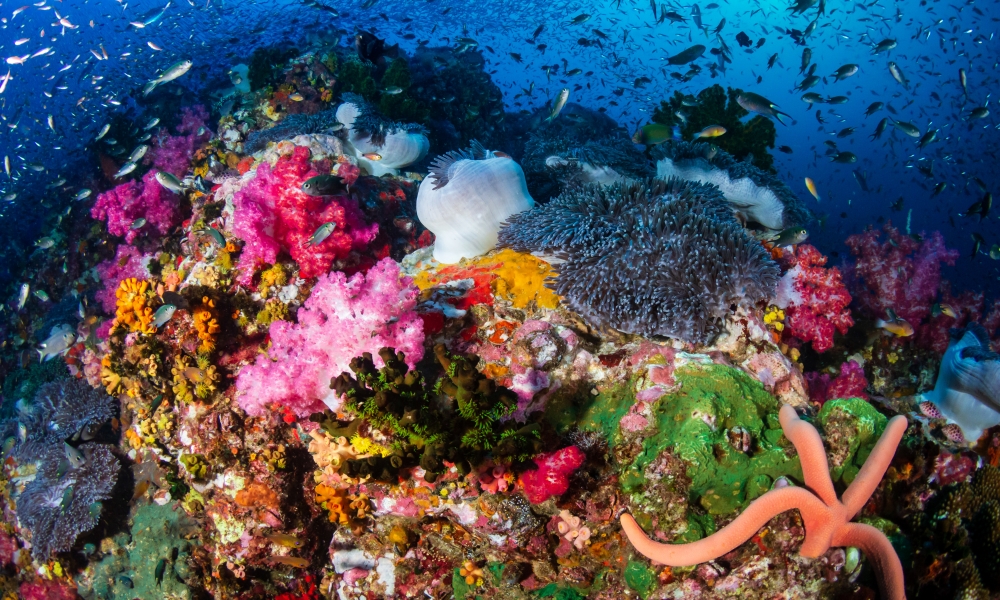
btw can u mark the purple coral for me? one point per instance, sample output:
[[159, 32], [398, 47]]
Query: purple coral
[[122, 206], [343, 318], [173, 153]]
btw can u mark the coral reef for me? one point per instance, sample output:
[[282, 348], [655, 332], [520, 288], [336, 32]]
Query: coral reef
[[342, 318], [718, 106], [466, 197], [290, 127], [605, 234]]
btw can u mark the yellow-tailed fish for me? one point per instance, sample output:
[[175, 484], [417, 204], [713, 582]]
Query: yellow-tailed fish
[[291, 561], [710, 132], [811, 186], [284, 539], [898, 327]]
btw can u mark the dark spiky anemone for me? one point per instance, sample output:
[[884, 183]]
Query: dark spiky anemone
[[578, 135], [795, 212], [441, 165], [372, 124], [658, 257], [289, 127]]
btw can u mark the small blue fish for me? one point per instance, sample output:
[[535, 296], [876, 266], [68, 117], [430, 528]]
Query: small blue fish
[[322, 232], [138, 223], [163, 314], [217, 236], [67, 498]]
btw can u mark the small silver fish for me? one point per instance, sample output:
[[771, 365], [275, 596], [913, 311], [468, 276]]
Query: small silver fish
[[41, 295], [125, 170], [392, 91], [45, 243], [322, 232], [168, 181], [138, 223], [559, 104], [82, 194], [152, 123], [59, 340], [138, 153], [104, 131], [74, 456], [163, 314], [22, 296]]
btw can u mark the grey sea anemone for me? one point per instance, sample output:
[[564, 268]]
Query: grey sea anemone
[[656, 257], [758, 196], [580, 146], [967, 391]]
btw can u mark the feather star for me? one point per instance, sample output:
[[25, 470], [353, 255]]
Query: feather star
[[827, 519]]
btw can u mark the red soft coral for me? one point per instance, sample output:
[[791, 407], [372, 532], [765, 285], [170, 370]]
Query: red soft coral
[[551, 478], [850, 383], [272, 213], [815, 299]]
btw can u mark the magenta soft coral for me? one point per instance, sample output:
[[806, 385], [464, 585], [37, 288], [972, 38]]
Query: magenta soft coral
[[901, 273], [342, 319], [123, 205], [173, 153], [551, 478], [815, 299], [271, 213], [850, 383]]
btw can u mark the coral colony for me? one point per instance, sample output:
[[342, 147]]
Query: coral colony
[[322, 342]]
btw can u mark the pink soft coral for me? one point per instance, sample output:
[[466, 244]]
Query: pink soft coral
[[272, 213], [128, 262], [342, 319], [123, 205], [814, 298], [551, 478], [173, 153], [850, 383], [901, 273]]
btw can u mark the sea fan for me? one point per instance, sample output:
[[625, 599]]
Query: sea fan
[[652, 258]]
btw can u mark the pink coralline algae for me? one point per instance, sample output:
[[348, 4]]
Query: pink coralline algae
[[342, 319], [122, 206], [47, 589], [551, 478], [815, 299], [271, 213], [128, 262], [173, 153], [901, 273], [850, 383]]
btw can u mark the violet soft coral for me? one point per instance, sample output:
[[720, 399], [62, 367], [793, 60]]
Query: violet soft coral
[[900, 273], [343, 318], [173, 153], [122, 206], [272, 213]]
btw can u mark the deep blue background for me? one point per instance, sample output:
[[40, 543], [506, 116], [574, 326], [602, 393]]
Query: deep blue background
[[935, 39]]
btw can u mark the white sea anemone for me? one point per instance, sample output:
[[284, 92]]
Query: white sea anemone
[[396, 145], [466, 197]]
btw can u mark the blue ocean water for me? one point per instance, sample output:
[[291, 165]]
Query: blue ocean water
[[70, 66]]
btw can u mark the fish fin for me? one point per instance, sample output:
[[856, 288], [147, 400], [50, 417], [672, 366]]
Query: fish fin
[[778, 114], [149, 87]]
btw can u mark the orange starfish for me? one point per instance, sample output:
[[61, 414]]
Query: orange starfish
[[827, 519]]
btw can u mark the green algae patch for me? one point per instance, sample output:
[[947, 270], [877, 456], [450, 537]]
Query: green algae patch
[[155, 546], [640, 578], [851, 427], [559, 592], [724, 425], [600, 413]]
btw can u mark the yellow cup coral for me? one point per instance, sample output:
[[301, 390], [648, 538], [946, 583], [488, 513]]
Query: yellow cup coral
[[206, 324], [132, 306]]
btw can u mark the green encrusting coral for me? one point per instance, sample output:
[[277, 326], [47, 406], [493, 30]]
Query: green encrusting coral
[[753, 137], [149, 562], [726, 423], [640, 578], [851, 426]]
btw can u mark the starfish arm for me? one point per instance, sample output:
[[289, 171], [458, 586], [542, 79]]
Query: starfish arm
[[873, 470], [880, 554], [754, 517], [812, 455]]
